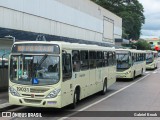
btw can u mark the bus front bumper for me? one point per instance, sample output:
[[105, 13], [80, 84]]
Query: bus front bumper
[[150, 66], [124, 75], [35, 102]]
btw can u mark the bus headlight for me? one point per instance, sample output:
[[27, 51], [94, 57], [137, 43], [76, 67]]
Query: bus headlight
[[54, 93], [127, 72], [13, 91]]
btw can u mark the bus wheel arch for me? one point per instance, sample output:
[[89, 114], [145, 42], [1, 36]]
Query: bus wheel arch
[[76, 97]]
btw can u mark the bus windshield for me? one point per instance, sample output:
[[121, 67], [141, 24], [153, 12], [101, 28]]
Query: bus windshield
[[122, 60], [43, 68], [149, 57]]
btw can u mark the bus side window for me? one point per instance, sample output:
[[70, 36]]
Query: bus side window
[[105, 58], [92, 59], [99, 59], [110, 59], [66, 66], [84, 60], [76, 61], [114, 58]]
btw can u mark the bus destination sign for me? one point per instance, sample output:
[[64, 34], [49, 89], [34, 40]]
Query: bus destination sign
[[35, 48]]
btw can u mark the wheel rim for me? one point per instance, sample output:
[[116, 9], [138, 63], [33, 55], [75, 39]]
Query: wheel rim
[[75, 98], [133, 75], [105, 88]]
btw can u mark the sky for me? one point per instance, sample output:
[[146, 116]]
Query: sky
[[151, 28]]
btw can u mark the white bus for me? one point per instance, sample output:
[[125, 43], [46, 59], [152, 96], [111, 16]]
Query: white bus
[[151, 59], [130, 63], [56, 74]]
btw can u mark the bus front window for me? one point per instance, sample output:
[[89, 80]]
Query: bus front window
[[123, 60], [24, 68], [149, 58]]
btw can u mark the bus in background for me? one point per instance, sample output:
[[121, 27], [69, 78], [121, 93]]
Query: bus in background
[[130, 63], [151, 59], [56, 74]]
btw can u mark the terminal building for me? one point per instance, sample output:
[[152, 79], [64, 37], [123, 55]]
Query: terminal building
[[80, 21]]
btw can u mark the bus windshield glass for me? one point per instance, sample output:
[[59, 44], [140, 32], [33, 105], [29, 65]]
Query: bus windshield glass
[[149, 57], [122, 59], [24, 69]]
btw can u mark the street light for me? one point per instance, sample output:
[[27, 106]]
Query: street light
[[9, 36], [135, 46]]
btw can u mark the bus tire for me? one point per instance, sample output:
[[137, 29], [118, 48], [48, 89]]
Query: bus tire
[[155, 66], [75, 99], [142, 72], [103, 92], [134, 75]]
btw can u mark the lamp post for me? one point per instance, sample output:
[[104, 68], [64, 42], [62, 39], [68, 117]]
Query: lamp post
[[135, 46], [9, 36]]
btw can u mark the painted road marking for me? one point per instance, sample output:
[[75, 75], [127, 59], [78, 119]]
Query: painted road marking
[[103, 98], [4, 105], [154, 72]]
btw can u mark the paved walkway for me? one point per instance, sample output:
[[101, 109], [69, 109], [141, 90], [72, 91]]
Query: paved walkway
[[3, 97]]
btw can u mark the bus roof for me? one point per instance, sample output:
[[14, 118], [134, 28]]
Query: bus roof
[[132, 50], [71, 46], [149, 51]]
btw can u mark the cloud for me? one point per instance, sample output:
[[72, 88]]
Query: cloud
[[152, 21]]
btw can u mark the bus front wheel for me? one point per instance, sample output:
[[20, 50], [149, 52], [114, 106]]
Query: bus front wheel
[[75, 99], [134, 74], [104, 88]]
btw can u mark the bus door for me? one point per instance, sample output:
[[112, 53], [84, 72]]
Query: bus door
[[67, 83]]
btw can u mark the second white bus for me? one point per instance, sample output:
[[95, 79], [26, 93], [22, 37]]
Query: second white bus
[[130, 63], [151, 59]]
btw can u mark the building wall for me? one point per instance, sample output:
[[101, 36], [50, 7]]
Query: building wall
[[78, 19], [5, 47]]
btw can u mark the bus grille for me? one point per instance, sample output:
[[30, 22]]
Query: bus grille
[[29, 95], [32, 101], [37, 90]]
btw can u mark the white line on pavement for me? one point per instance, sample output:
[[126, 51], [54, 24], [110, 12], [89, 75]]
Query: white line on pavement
[[4, 105], [103, 98], [154, 72]]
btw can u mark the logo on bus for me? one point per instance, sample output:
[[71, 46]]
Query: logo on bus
[[32, 95]]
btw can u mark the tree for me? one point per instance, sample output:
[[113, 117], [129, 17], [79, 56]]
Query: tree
[[142, 45], [131, 12]]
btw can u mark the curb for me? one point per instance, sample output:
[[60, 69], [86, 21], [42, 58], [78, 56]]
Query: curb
[[6, 106]]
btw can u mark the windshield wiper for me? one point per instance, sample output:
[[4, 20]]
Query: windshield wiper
[[41, 61], [39, 64]]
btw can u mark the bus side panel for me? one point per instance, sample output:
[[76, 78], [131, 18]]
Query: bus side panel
[[67, 92], [80, 79], [92, 85], [99, 79], [112, 73], [105, 75]]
